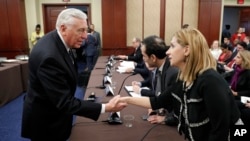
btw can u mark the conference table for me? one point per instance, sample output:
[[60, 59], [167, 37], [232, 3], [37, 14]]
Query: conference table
[[14, 80], [11, 82], [89, 130]]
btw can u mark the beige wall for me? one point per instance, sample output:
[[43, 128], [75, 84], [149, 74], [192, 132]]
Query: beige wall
[[173, 18], [151, 17], [34, 12], [134, 20], [139, 26]]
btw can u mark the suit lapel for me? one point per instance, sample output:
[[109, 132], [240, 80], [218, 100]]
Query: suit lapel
[[65, 55]]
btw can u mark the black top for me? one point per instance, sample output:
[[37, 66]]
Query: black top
[[206, 109]]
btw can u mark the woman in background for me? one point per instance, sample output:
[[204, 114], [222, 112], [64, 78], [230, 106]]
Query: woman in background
[[36, 35], [240, 83], [215, 49]]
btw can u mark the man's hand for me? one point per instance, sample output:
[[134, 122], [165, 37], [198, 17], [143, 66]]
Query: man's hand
[[135, 83], [136, 89], [129, 70], [115, 104]]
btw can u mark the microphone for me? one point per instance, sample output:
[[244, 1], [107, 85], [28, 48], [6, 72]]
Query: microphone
[[91, 97], [114, 118], [124, 81]]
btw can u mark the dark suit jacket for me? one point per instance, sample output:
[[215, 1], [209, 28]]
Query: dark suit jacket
[[142, 70], [50, 102], [98, 39], [148, 83], [136, 56], [169, 76], [90, 46]]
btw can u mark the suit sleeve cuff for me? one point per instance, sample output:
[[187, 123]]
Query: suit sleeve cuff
[[103, 108]]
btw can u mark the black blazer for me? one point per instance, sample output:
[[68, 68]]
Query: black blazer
[[142, 70], [90, 46], [208, 105], [243, 84], [136, 56], [169, 76], [148, 83], [50, 103]]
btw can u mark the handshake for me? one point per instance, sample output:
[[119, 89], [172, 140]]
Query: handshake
[[116, 104]]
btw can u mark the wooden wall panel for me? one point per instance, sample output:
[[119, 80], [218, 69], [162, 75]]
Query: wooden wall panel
[[4, 24], [215, 21], [13, 37], [114, 27], [17, 23], [209, 24], [120, 24], [244, 20], [204, 18], [162, 18]]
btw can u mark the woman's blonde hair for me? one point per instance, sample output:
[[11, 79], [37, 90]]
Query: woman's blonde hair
[[199, 58], [245, 55]]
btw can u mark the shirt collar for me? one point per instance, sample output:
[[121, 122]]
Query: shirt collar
[[66, 46]]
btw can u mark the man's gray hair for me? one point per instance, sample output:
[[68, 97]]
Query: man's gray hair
[[66, 16]]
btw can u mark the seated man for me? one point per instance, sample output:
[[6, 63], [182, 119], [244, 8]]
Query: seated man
[[154, 54], [136, 56]]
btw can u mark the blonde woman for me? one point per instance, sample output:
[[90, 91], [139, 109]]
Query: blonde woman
[[240, 83], [201, 99]]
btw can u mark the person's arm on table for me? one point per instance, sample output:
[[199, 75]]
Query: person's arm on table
[[139, 101]]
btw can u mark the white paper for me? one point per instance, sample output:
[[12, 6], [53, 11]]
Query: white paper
[[10, 60], [121, 69], [129, 88], [127, 64], [244, 99]]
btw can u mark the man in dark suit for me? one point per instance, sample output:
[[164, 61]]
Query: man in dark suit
[[96, 34], [136, 56], [154, 54], [50, 103], [90, 49]]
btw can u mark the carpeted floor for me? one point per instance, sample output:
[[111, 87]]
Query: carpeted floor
[[11, 115]]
